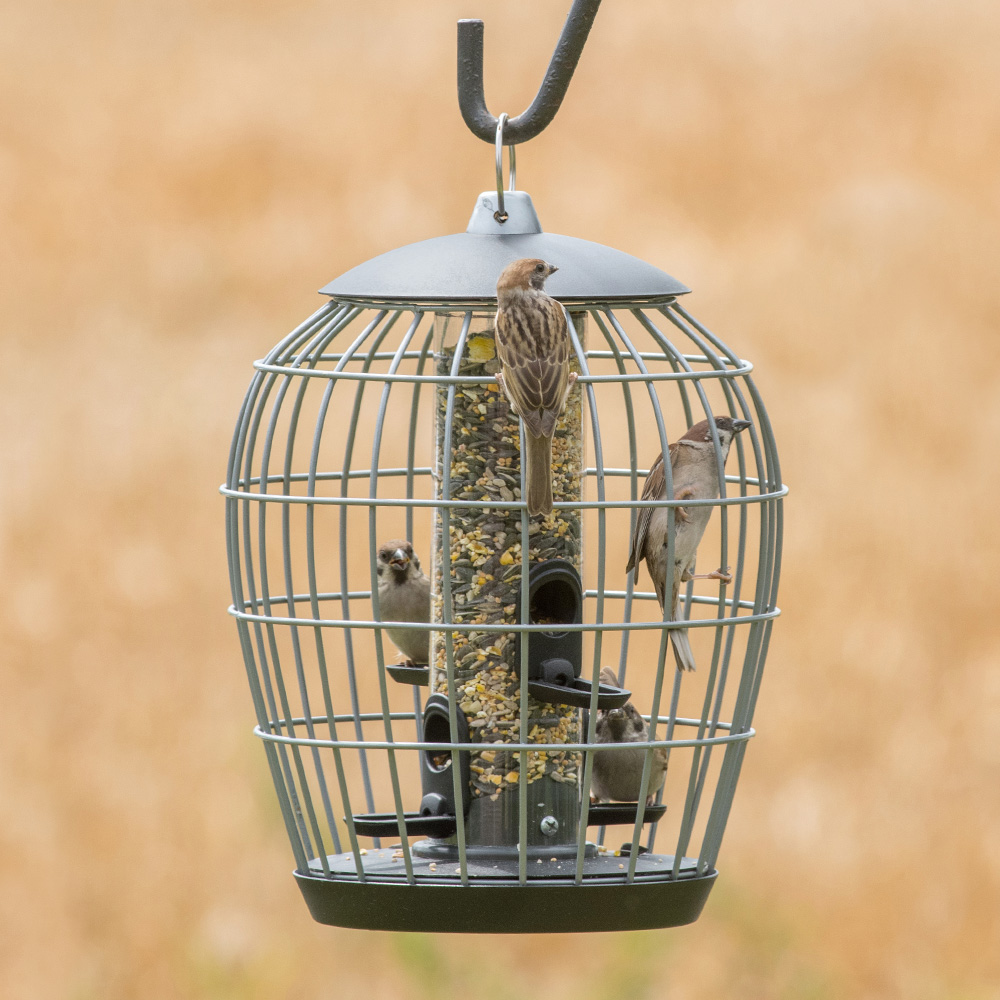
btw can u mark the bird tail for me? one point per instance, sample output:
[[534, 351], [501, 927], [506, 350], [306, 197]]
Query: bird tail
[[679, 640], [538, 473]]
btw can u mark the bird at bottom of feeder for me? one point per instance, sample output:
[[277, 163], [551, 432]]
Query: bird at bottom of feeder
[[404, 595], [534, 348], [695, 475], [617, 774]]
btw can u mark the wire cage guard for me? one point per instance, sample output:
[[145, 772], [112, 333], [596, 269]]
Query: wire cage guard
[[409, 794]]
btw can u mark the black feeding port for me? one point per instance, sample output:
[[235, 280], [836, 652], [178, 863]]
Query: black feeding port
[[436, 817], [555, 657], [435, 769]]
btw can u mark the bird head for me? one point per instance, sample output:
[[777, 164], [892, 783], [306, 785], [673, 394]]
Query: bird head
[[624, 724], [396, 555], [726, 427], [614, 720], [529, 272]]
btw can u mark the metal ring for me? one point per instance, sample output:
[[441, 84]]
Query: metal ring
[[500, 214]]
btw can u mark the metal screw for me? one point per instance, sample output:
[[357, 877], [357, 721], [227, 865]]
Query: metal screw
[[549, 826]]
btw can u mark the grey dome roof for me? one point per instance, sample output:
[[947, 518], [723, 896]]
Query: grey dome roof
[[464, 267]]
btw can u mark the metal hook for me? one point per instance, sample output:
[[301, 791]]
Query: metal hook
[[541, 111], [500, 214]]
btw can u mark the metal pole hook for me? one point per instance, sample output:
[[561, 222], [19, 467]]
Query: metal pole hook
[[541, 111]]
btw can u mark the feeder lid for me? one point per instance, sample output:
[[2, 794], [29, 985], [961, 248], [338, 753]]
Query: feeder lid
[[464, 267]]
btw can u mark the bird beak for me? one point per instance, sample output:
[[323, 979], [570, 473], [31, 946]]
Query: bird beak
[[740, 425], [553, 269], [399, 559]]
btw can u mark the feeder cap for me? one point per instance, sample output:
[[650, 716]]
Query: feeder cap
[[464, 267]]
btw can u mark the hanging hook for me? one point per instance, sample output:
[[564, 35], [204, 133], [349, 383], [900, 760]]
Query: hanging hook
[[501, 214], [541, 111]]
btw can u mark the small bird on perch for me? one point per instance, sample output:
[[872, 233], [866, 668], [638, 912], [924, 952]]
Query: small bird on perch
[[617, 774], [404, 595], [534, 349], [695, 475]]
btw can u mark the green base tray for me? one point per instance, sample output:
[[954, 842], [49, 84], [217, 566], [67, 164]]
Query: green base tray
[[495, 903]]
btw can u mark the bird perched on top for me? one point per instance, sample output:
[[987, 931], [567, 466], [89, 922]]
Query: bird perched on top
[[695, 475], [617, 774], [404, 595], [534, 349]]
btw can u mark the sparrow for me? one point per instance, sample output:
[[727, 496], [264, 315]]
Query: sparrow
[[404, 595], [617, 774], [534, 350], [695, 475]]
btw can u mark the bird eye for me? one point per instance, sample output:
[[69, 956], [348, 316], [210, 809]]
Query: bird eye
[[539, 267]]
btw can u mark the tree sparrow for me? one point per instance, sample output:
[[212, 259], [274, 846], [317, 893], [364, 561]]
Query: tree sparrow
[[617, 774], [534, 349], [404, 595], [695, 476]]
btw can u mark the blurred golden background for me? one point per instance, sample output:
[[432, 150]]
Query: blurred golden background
[[176, 179]]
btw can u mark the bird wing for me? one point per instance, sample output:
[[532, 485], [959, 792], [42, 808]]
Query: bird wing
[[655, 489], [533, 346]]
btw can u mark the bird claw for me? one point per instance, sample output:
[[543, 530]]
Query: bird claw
[[717, 574], [685, 494]]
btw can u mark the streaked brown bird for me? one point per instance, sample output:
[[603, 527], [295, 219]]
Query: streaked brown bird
[[695, 475], [404, 595], [617, 774], [534, 349]]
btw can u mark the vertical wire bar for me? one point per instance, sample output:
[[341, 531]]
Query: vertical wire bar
[[447, 611], [235, 564], [411, 460], [411, 446], [634, 495], [289, 588], [279, 679], [588, 762], [732, 764], [287, 811], [713, 837], [418, 719], [310, 540], [373, 546], [775, 514], [275, 720], [343, 519], [661, 658], [252, 427], [522, 675], [285, 716]]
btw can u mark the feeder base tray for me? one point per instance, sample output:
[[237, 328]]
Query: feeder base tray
[[494, 902]]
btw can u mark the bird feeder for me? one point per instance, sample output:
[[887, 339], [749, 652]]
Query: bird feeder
[[455, 796]]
